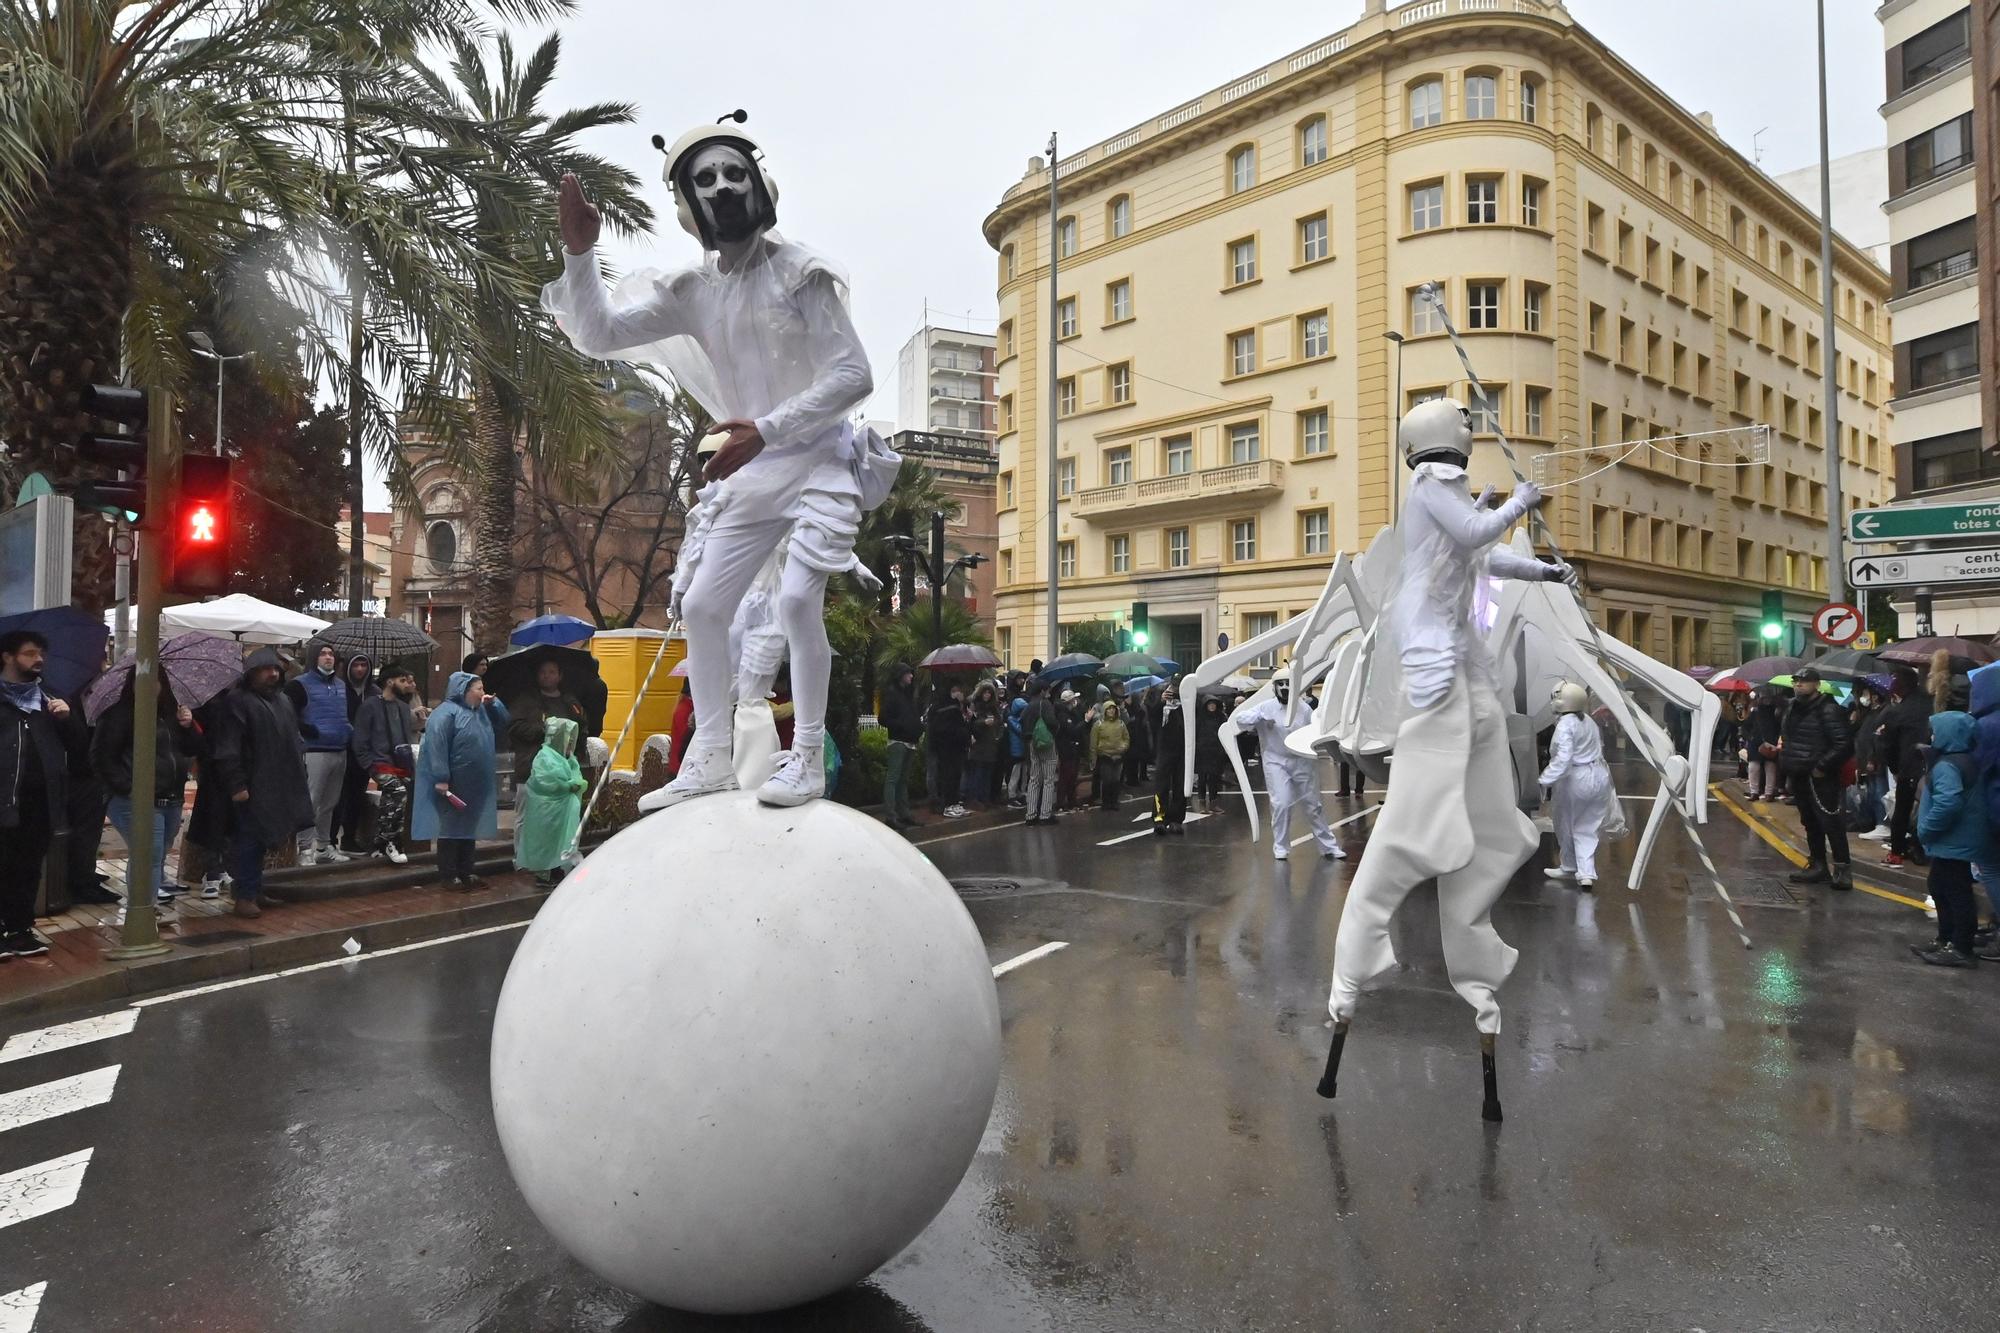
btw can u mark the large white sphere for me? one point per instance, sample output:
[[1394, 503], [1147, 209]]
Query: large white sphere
[[744, 1055]]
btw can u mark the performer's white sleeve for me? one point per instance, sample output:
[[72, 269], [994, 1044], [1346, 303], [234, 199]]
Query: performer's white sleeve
[[600, 329], [1502, 563], [842, 381], [1463, 522], [1561, 750]]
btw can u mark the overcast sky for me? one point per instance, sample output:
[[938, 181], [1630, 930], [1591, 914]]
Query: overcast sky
[[893, 126]]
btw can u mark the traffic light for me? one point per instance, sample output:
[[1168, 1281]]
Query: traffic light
[[201, 555], [1142, 631], [126, 497], [1772, 626]]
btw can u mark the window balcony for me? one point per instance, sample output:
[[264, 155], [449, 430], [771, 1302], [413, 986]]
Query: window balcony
[[1216, 487]]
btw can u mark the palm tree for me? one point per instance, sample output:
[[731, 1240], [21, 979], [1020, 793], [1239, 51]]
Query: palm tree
[[147, 152], [531, 385]]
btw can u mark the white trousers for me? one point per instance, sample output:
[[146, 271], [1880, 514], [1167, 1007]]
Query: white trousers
[[1293, 787], [1450, 814], [1582, 803], [731, 558]]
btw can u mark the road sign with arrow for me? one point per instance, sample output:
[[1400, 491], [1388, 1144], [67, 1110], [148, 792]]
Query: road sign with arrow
[[1908, 523], [1970, 564], [1837, 623]]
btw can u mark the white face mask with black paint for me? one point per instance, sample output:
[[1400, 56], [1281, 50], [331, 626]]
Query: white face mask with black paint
[[725, 193]]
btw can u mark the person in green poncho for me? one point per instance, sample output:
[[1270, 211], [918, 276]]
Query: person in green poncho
[[550, 803]]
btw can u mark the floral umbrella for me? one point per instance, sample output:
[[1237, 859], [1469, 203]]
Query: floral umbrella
[[197, 667]]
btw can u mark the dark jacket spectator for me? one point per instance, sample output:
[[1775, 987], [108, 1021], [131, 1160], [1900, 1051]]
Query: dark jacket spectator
[[530, 713], [260, 756], [36, 731], [1765, 724], [385, 730], [1209, 756], [1815, 736], [1904, 729], [174, 750], [899, 707]]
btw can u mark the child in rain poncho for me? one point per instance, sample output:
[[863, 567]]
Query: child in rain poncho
[[1584, 798], [551, 802]]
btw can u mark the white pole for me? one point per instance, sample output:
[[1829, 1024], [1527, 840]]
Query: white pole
[[1055, 338], [1836, 566]]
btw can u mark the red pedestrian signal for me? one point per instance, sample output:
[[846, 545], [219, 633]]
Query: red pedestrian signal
[[201, 554]]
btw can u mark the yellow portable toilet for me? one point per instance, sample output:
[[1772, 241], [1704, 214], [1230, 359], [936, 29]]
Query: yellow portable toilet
[[624, 656]]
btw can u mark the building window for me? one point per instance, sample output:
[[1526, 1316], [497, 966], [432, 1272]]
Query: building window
[[1006, 490], [1948, 252], [1593, 129], [1313, 142], [1121, 554], [1593, 231], [1482, 200], [1531, 203], [1243, 540], [1944, 358], [1066, 236], [1119, 380], [1006, 567], [1066, 395], [1936, 49], [1066, 477], [1118, 466], [1066, 317], [1314, 439], [1245, 446], [1312, 239], [1254, 625], [1242, 352], [1938, 151], [1482, 97], [1624, 157], [1531, 100], [441, 546], [1594, 329], [1426, 104], [1482, 305], [1314, 340], [1425, 317], [1625, 234], [1535, 412], [1006, 263], [1180, 551], [1066, 560], [1951, 460], [1118, 300], [1180, 455], [1426, 207], [1242, 169], [1316, 533], [1121, 216], [1242, 261], [1486, 413], [1533, 297], [1006, 412]]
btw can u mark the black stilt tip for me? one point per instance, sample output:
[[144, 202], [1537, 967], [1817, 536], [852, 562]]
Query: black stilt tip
[[1490, 1110], [1327, 1080]]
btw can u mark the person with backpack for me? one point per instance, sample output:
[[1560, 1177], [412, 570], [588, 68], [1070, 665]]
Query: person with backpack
[[1017, 750], [1953, 822], [1038, 723], [1813, 748]]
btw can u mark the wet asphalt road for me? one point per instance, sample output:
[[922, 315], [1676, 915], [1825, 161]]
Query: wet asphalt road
[[1805, 1136]]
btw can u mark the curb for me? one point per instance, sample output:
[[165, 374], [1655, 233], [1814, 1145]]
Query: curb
[[1784, 848]]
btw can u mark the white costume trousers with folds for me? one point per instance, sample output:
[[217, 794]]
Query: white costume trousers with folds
[[1450, 814], [1583, 792], [1294, 785]]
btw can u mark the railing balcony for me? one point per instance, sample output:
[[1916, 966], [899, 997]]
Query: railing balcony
[[1235, 482]]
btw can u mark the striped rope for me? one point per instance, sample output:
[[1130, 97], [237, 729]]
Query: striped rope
[[604, 778], [1540, 531]]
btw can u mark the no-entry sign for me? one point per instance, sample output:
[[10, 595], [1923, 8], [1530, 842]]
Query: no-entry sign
[[1837, 624]]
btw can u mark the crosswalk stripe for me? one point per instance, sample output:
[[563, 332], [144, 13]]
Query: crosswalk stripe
[[46, 1101], [44, 1187], [19, 1308], [65, 1035]]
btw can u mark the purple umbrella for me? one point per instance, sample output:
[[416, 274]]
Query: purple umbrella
[[961, 657], [196, 666]]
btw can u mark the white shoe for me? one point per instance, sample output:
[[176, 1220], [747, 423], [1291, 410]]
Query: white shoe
[[1280, 852], [396, 855], [333, 856], [211, 889], [1334, 853], [799, 778], [1559, 872], [1879, 834], [956, 812], [1930, 907], [704, 772]]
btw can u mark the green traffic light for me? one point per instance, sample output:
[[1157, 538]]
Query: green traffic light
[[1140, 639], [1774, 631]]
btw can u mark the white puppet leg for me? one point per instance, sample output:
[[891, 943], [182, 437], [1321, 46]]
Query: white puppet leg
[[1504, 838]]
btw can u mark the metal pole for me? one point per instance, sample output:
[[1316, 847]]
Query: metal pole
[[1055, 330], [1395, 421], [938, 576], [141, 936], [1836, 566], [219, 364]]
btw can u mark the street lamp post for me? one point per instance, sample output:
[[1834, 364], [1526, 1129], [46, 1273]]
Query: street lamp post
[[1829, 381], [204, 346], [937, 571], [1395, 418]]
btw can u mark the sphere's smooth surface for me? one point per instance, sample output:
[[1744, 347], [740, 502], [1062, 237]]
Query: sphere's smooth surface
[[744, 1055]]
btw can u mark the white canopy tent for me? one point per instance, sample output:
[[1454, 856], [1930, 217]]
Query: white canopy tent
[[241, 617]]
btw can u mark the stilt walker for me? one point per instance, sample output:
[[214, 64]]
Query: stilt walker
[[1451, 812], [1580, 782]]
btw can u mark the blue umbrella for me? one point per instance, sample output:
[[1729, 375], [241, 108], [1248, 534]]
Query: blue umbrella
[[77, 641], [551, 629], [1144, 682], [1072, 666]]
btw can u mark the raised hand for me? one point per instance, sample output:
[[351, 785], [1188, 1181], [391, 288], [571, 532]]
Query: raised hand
[[581, 222]]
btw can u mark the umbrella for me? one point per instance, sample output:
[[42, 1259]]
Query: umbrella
[[1730, 685], [1882, 681], [551, 629], [241, 616], [961, 657], [76, 646], [1965, 653], [1131, 664], [1071, 666], [1701, 672], [197, 667], [1847, 664], [1135, 683], [378, 637], [512, 676], [1786, 681], [1759, 670]]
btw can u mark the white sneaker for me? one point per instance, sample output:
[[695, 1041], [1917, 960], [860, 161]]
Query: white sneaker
[[1559, 872], [1878, 834], [798, 779], [211, 889], [333, 856], [396, 855], [704, 772], [956, 812], [1280, 852], [1334, 853]]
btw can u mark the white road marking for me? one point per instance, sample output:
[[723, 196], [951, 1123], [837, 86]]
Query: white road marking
[[46, 1101], [1030, 956], [331, 962], [1146, 832], [65, 1035], [1338, 823], [19, 1308], [42, 1188]]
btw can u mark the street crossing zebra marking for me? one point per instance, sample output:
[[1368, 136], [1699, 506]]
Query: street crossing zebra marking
[[65, 1035], [19, 1308], [45, 1187], [1030, 956], [46, 1101]]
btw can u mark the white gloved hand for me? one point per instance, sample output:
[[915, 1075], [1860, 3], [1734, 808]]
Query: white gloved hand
[[1559, 572], [1486, 499], [1528, 495]]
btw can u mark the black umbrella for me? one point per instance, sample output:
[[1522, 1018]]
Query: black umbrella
[[1847, 664], [77, 641], [379, 637], [512, 676]]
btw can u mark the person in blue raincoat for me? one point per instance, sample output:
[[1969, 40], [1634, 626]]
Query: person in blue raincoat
[[456, 760]]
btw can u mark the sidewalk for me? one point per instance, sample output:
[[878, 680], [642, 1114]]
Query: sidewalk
[[1777, 820]]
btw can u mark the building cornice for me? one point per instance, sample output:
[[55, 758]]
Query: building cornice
[[1937, 82], [1944, 184]]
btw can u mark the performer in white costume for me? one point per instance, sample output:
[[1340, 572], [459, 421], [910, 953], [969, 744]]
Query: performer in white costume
[[1582, 785], [1451, 812], [759, 334], [1292, 779]]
